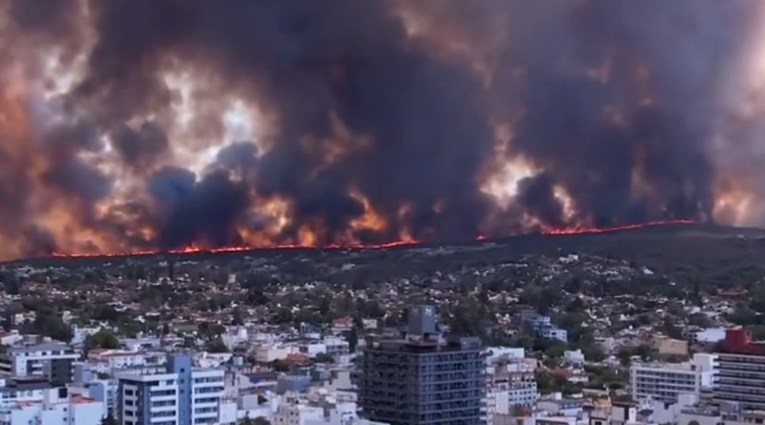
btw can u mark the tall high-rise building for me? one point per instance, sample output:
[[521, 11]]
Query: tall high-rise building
[[180, 396], [740, 372], [420, 378]]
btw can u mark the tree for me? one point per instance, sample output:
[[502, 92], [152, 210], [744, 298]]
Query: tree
[[352, 337], [590, 348], [573, 285], [216, 345], [102, 339], [572, 322], [645, 352], [10, 282], [284, 315], [49, 323], [625, 356], [260, 420], [670, 329], [237, 317], [323, 358], [105, 313], [280, 366], [743, 316], [555, 351], [109, 420]]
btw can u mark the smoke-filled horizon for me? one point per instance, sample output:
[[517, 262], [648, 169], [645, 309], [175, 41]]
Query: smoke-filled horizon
[[129, 125]]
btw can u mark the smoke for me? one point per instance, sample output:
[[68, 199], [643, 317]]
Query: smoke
[[164, 124]]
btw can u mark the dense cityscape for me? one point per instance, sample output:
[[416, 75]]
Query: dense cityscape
[[477, 333], [382, 212]]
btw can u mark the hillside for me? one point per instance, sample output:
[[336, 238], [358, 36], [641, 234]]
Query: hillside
[[688, 253]]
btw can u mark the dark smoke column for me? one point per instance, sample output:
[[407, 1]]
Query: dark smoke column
[[372, 121]]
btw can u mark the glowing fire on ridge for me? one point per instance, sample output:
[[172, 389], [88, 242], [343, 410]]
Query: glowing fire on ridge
[[388, 245], [587, 230]]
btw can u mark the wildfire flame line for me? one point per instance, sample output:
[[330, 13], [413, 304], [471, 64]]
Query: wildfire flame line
[[229, 249], [388, 245], [586, 230]]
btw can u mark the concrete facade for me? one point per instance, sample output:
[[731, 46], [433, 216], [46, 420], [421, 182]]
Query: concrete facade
[[420, 378]]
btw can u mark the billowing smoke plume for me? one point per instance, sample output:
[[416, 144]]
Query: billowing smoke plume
[[162, 124]]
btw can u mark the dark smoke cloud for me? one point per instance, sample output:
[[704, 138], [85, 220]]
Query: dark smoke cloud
[[536, 195], [76, 178], [388, 105], [48, 17], [140, 147], [197, 211], [660, 67]]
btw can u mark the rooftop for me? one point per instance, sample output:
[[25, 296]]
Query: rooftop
[[45, 346]]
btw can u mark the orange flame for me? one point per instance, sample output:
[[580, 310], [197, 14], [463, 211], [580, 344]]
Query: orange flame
[[586, 230], [387, 245]]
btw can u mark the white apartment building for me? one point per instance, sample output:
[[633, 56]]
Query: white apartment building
[[105, 361], [148, 399], [31, 360], [667, 381], [333, 346], [511, 384], [296, 411], [342, 413], [183, 395], [11, 337], [56, 408], [574, 357], [268, 353], [336, 346], [27, 388]]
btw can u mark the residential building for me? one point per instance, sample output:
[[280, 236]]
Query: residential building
[[495, 353], [56, 407], [24, 388], [507, 392], [295, 411], [667, 381], [11, 337], [268, 353], [557, 405], [740, 371], [32, 359], [419, 378], [574, 357], [336, 346], [670, 412], [512, 383], [708, 336], [102, 390], [543, 327], [182, 395], [59, 371], [342, 324], [670, 346], [331, 345], [105, 361], [341, 413]]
